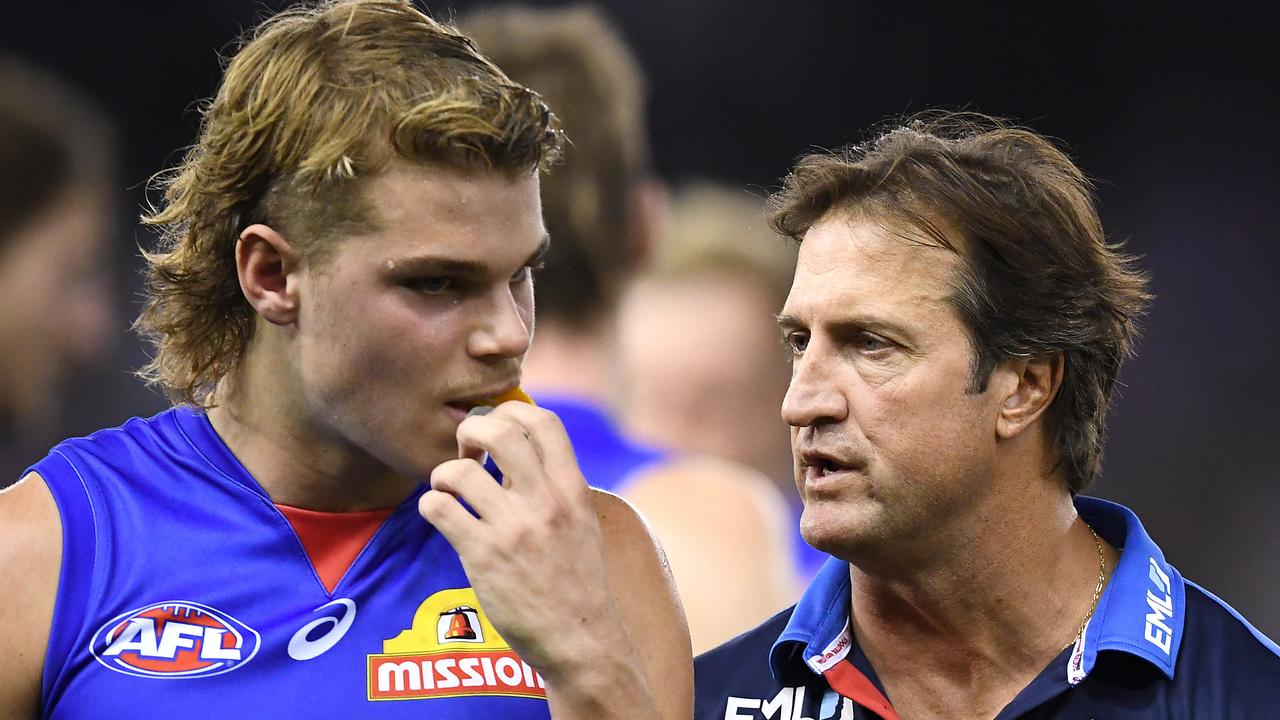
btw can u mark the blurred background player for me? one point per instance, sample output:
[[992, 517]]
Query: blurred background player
[[705, 371], [56, 161], [722, 524]]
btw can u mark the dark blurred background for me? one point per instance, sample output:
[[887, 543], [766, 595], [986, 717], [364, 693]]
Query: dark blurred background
[[1171, 109]]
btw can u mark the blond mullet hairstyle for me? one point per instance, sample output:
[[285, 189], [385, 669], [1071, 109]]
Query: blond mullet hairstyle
[[317, 99]]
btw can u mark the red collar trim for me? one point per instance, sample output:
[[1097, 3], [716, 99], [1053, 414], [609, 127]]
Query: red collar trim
[[333, 540], [849, 681]]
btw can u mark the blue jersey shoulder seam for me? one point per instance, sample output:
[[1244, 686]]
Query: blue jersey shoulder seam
[[67, 592], [96, 581]]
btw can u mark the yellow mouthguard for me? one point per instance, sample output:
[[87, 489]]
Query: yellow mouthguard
[[513, 394]]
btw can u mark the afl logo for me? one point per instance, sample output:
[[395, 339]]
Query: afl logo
[[176, 639]]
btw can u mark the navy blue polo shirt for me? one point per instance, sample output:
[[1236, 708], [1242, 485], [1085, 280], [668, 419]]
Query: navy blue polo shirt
[[1157, 646]]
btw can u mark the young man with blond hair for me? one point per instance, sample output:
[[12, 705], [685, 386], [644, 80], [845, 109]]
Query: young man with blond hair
[[345, 276]]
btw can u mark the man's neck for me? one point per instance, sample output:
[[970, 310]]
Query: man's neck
[[569, 361], [962, 637], [295, 461]]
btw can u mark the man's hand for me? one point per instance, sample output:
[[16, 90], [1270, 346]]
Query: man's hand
[[534, 552]]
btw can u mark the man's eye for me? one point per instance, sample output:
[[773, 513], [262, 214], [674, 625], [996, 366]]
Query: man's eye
[[867, 342], [797, 341], [432, 285]]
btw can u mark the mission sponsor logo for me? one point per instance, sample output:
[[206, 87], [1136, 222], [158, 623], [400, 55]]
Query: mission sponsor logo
[[450, 650], [173, 640]]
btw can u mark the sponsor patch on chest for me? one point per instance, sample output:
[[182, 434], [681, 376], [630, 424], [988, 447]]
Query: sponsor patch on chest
[[450, 650]]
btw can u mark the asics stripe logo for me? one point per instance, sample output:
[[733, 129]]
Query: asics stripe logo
[[333, 627]]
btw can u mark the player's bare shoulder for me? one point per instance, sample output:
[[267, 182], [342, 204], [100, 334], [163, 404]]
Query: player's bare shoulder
[[626, 532], [641, 581], [614, 511], [30, 559]]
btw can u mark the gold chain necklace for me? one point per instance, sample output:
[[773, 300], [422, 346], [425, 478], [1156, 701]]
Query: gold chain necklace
[[1097, 591]]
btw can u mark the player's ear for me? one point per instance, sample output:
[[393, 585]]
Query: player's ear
[[266, 264], [1030, 390]]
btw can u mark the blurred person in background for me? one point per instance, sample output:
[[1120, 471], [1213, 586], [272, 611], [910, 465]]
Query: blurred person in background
[[56, 312], [699, 346], [721, 523], [957, 324], [345, 275]]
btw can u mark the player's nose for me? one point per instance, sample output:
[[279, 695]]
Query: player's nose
[[506, 328]]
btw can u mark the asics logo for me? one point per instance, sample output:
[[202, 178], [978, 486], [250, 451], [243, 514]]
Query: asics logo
[[320, 635]]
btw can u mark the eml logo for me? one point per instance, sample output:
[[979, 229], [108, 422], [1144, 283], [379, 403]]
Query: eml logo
[[175, 639], [788, 704], [1157, 631]]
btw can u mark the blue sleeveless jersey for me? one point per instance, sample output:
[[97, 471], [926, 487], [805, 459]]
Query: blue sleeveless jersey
[[185, 592]]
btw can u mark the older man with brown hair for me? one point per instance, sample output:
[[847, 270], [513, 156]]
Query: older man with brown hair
[[956, 323]]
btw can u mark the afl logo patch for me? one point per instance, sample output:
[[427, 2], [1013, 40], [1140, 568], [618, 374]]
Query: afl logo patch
[[174, 639]]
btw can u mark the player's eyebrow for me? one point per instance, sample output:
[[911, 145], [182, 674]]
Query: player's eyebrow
[[444, 265], [435, 265], [787, 322]]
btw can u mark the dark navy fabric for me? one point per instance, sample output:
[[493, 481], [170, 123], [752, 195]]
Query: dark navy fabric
[[608, 460], [1157, 646], [185, 593]]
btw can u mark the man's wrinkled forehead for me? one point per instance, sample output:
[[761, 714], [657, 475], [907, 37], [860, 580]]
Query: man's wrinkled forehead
[[861, 240], [860, 262]]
